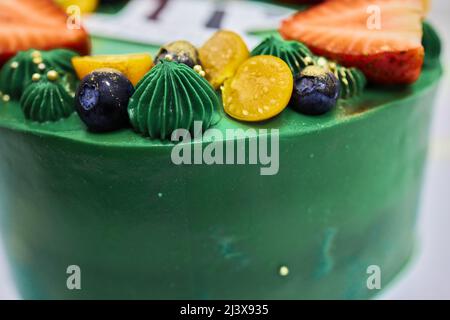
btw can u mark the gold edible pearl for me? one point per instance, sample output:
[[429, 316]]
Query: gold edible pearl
[[36, 54], [52, 75], [14, 65], [41, 66], [202, 73], [168, 57], [6, 98], [332, 66], [284, 271], [308, 60], [322, 62], [35, 77], [37, 60], [198, 68]]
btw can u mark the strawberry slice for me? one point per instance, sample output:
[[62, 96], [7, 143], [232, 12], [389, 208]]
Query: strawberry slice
[[388, 52], [38, 24]]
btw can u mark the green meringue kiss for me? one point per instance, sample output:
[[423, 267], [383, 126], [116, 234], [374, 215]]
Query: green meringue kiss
[[294, 53], [46, 100], [17, 72], [171, 96], [432, 45], [352, 81]]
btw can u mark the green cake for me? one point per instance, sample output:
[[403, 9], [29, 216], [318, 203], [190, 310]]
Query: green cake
[[345, 198]]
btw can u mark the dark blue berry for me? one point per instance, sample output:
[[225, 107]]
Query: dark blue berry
[[102, 100], [315, 91]]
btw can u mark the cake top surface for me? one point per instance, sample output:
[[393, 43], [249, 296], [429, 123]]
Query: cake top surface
[[175, 88], [374, 99]]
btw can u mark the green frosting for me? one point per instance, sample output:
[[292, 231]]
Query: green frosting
[[352, 81], [171, 96], [16, 73], [294, 53], [59, 60], [46, 100], [298, 56], [431, 44]]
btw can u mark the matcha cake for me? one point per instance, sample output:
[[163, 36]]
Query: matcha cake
[[90, 180]]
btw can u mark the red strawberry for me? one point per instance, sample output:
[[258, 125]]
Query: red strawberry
[[38, 24], [346, 31]]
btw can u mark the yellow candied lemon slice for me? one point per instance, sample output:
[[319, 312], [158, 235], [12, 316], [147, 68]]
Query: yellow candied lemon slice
[[260, 89], [133, 66], [86, 6], [221, 55]]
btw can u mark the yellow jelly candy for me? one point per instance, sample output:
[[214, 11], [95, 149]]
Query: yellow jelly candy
[[260, 89], [133, 66], [221, 55]]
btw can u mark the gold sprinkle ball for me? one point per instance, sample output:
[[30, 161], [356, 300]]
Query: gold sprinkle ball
[[6, 98], [35, 77], [332, 66], [37, 60], [42, 66], [322, 62], [14, 65], [202, 73], [284, 271], [198, 68], [168, 57], [52, 75], [36, 54], [308, 60]]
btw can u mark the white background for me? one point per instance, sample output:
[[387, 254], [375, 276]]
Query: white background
[[427, 277]]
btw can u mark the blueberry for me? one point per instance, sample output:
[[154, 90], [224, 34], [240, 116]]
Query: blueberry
[[316, 91], [102, 100]]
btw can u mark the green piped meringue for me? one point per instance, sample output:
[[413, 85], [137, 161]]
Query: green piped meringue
[[171, 96], [46, 100], [294, 53], [352, 81], [432, 45], [16, 73]]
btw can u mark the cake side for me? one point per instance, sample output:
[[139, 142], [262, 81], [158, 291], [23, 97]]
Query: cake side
[[344, 197]]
